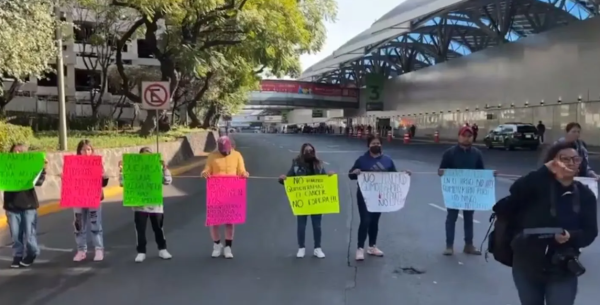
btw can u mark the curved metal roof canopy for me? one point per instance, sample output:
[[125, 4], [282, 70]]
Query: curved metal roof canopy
[[471, 24]]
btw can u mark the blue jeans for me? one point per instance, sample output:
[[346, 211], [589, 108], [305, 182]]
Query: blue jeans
[[88, 219], [451, 218], [23, 230], [316, 225], [554, 291]]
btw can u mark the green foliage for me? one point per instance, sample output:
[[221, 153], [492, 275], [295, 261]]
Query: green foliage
[[13, 134], [227, 44], [27, 35]]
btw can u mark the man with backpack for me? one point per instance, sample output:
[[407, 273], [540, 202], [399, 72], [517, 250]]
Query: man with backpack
[[461, 156], [540, 227]]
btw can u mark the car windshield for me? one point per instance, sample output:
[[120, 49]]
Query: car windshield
[[526, 128]]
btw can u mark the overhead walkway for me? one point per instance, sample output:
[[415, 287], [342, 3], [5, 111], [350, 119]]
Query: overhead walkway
[[421, 33], [281, 94]]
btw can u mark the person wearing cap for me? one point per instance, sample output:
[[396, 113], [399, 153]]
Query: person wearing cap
[[226, 161], [461, 156]]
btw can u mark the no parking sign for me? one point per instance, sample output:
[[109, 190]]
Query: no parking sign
[[155, 95]]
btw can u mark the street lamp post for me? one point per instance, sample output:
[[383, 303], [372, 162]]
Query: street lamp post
[[62, 113]]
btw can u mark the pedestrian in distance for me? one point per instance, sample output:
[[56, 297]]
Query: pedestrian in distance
[[461, 156], [307, 164], [89, 219], [226, 161], [21, 213], [154, 213], [552, 216], [371, 161], [573, 134]]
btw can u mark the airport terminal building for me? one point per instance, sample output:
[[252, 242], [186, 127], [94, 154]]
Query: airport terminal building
[[445, 63]]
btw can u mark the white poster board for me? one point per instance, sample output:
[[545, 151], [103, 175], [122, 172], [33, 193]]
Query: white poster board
[[589, 182], [384, 191]]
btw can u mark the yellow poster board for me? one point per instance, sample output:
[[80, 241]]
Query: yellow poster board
[[309, 195]]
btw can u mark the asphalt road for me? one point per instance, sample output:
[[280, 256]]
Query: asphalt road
[[265, 270]]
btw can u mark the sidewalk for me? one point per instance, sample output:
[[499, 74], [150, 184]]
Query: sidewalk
[[110, 191]]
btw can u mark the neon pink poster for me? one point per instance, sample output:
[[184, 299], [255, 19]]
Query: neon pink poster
[[225, 200], [81, 182]]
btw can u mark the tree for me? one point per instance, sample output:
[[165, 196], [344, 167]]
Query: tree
[[27, 33], [266, 34], [97, 28], [137, 75]]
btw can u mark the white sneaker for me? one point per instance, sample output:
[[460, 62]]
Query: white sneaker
[[301, 252], [319, 253], [360, 254], [164, 254], [140, 257], [217, 248], [227, 252]]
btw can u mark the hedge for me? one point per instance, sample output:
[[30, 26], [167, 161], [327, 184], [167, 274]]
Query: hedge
[[11, 134]]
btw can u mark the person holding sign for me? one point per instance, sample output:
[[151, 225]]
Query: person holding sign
[[21, 206], [307, 164], [551, 216], [372, 161], [226, 161], [461, 156], [153, 212], [89, 219]]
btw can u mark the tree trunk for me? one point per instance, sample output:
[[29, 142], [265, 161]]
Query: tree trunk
[[149, 124], [195, 121], [209, 115]]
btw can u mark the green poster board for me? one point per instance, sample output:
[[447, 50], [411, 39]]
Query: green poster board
[[142, 180], [317, 113], [374, 86], [19, 171]]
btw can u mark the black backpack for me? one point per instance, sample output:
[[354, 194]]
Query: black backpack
[[499, 236]]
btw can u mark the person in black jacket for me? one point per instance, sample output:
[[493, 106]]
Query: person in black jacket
[[21, 212], [546, 269], [307, 164]]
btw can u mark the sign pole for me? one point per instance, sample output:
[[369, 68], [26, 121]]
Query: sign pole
[[157, 148]]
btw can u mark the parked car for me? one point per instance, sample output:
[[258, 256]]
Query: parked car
[[513, 135]]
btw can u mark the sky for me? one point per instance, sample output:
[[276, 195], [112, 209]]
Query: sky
[[351, 20]]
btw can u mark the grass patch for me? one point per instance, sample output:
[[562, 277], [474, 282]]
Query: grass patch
[[48, 141]]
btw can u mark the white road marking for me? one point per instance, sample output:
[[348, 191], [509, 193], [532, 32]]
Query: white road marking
[[65, 271], [280, 146], [42, 247], [10, 259], [444, 209], [326, 163]]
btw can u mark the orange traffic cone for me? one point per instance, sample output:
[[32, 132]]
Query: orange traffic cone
[[406, 138]]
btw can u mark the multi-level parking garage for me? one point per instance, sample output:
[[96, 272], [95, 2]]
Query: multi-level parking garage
[[448, 62]]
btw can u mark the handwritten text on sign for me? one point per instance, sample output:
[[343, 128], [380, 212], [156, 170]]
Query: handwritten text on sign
[[465, 189], [310, 195], [18, 172], [384, 191], [81, 182], [592, 183], [225, 200], [142, 180]]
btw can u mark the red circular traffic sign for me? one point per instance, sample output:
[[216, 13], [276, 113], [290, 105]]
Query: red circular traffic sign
[[156, 95]]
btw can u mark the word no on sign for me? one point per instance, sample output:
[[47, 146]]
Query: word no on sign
[[155, 95]]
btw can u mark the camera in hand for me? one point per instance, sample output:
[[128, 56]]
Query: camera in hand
[[569, 259]]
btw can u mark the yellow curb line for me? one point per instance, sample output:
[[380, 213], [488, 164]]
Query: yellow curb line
[[111, 191]]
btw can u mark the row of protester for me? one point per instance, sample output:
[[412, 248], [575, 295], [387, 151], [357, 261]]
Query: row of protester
[[539, 230]]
